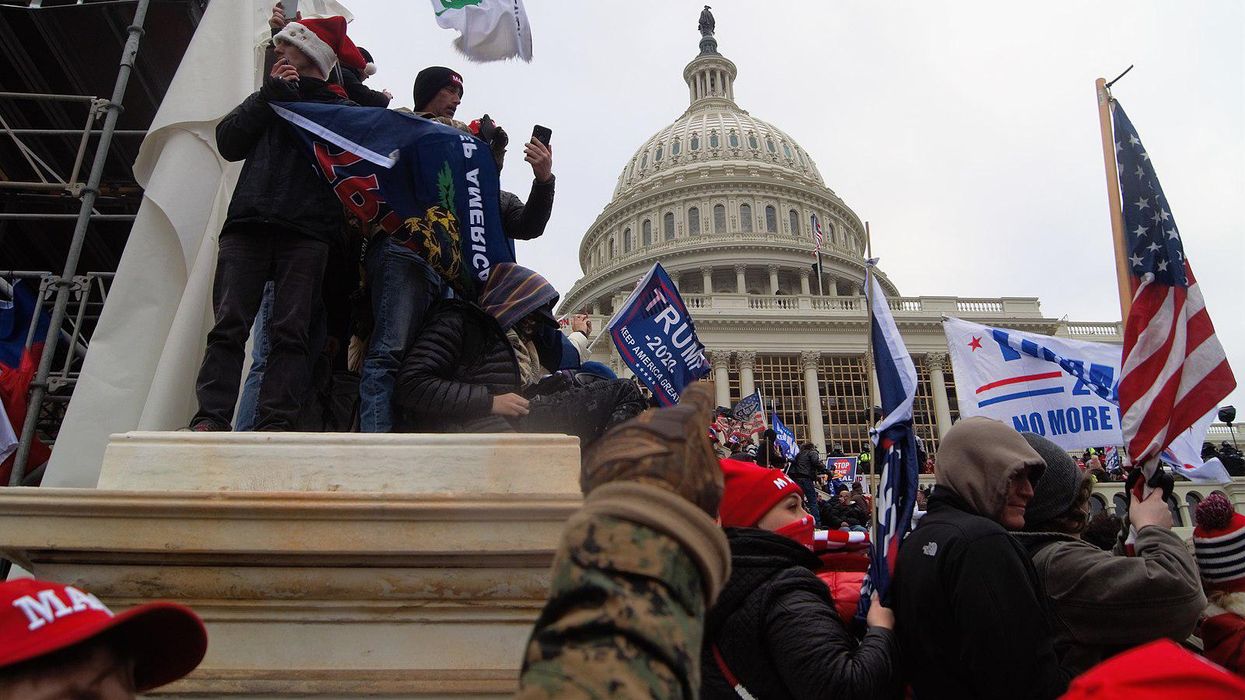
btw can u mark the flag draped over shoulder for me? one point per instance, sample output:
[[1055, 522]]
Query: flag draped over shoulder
[[432, 188], [490, 30], [656, 337], [894, 447], [1174, 369]]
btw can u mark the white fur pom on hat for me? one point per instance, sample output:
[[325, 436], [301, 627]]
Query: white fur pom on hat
[[320, 39]]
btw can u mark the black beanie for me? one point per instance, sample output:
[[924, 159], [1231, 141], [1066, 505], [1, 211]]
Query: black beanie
[[430, 81], [1056, 490]]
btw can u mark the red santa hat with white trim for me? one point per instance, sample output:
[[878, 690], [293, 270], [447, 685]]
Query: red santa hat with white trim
[[324, 41]]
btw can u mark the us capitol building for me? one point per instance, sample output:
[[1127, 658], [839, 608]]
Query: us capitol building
[[723, 200]]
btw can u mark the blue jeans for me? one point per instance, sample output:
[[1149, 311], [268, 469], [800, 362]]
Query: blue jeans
[[260, 343], [810, 499], [403, 287]]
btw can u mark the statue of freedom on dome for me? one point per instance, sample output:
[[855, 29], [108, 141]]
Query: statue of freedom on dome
[[706, 23]]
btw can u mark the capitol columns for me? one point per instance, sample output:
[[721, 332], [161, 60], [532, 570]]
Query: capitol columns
[[810, 362], [706, 278], [747, 361], [721, 361], [773, 279], [741, 285], [936, 362], [804, 288]]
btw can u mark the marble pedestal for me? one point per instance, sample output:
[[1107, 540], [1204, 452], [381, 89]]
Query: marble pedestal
[[325, 565]]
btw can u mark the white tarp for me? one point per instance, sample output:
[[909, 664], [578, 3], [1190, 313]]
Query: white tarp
[[146, 351]]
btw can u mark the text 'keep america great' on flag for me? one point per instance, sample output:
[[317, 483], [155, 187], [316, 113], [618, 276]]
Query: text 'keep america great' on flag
[[431, 187], [1174, 369]]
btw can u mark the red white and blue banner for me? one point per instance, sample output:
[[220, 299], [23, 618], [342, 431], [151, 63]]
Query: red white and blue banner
[[1065, 390], [842, 468], [655, 336], [894, 447], [431, 187]]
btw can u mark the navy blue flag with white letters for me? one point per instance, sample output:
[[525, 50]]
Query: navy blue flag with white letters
[[655, 336], [431, 187], [784, 438], [894, 448]]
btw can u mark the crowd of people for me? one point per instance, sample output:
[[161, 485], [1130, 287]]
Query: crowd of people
[[355, 329], [688, 575]]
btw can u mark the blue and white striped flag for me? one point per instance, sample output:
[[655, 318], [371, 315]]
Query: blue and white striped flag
[[894, 448]]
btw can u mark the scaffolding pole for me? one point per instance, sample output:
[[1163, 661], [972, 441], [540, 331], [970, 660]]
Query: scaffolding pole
[[39, 388]]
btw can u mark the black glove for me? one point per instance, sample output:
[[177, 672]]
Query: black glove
[[278, 90], [1161, 481]]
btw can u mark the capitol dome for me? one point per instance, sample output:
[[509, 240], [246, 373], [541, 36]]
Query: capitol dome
[[725, 201]]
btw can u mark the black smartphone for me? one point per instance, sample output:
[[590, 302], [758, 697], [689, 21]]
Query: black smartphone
[[542, 134]]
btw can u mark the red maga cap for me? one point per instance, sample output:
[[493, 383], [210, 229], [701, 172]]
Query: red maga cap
[[37, 618]]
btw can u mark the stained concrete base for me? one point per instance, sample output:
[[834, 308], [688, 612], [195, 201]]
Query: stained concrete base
[[325, 565]]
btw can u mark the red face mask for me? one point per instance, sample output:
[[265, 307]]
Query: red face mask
[[801, 531]]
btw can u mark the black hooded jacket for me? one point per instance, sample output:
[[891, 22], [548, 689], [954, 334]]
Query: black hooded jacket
[[279, 185], [779, 634]]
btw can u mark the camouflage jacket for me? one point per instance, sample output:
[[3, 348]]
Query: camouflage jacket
[[625, 616]]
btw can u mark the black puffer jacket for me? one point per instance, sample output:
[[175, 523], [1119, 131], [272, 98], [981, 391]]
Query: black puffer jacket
[[779, 634], [279, 185], [527, 221], [807, 464], [452, 372]]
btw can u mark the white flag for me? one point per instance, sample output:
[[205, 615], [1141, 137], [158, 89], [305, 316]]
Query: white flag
[[491, 30]]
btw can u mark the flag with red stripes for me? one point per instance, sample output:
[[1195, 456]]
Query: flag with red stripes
[[1174, 368], [817, 235]]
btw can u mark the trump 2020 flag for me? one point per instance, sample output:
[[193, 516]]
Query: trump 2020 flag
[[784, 438], [432, 188], [489, 30], [655, 336], [894, 448]]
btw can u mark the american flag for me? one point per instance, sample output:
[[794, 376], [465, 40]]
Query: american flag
[[817, 232], [1175, 370]]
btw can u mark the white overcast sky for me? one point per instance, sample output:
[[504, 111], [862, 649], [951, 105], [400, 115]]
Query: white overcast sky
[[966, 133]]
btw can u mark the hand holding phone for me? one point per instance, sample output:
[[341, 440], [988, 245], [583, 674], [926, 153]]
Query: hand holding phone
[[542, 134], [539, 154]]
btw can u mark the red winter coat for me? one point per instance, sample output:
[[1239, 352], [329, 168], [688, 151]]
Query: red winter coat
[[1223, 631]]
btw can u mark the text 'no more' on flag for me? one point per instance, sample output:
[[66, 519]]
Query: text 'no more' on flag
[[655, 336], [432, 188], [1174, 369]]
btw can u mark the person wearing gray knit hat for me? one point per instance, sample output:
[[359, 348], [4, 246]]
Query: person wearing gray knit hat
[[1057, 490], [1103, 602]]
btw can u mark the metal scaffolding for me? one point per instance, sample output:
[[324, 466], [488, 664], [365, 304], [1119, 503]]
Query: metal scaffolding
[[69, 284]]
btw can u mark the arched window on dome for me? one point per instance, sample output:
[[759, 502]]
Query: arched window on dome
[[831, 235], [693, 221], [667, 226], [647, 232], [771, 219], [793, 218], [713, 139], [769, 144], [643, 162], [626, 241], [694, 143], [676, 147], [733, 139], [745, 218], [613, 248], [786, 150], [752, 142], [657, 154], [719, 218]]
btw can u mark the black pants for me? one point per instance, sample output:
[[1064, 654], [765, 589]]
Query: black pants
[[295, 263], [586, 411]]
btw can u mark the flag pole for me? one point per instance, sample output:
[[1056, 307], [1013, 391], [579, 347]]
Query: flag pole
[[871, 376], [820, 273], [1123, 277]]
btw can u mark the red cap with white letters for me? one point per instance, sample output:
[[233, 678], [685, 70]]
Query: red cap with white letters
[[166, 640]]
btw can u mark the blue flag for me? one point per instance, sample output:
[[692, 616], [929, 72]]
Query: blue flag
[[431, 187], [894, 448], [785, 439], [655, 336]]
